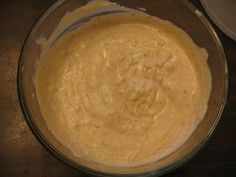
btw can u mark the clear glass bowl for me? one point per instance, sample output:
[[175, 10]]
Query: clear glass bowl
[[181, 13]]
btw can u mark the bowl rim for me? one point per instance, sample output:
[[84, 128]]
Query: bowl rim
[[56, 153]]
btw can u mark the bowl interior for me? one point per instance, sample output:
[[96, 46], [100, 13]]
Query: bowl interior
[[182, 14]]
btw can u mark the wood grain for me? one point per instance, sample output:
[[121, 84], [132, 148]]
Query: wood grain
[[21, 155]]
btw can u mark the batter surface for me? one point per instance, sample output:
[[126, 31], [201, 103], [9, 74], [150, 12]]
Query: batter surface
[[124, 89]]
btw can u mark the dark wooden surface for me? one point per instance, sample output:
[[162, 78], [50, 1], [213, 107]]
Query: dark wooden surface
[[20, 153]]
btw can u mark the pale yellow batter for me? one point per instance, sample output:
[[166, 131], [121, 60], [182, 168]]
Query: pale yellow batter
[[124, 89]]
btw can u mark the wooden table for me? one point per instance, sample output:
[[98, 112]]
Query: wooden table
[[21, 155]]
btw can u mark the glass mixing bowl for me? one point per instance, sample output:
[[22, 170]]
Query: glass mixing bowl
[[181, 13]]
